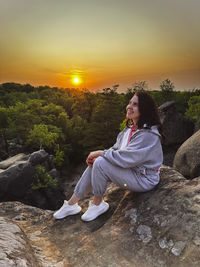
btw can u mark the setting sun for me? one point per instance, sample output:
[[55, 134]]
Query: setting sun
[[76, 80], [76, 77]]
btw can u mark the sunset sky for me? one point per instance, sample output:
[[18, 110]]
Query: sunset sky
[[100, 42]]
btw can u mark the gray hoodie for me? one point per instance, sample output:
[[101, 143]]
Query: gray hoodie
[[144, 150]]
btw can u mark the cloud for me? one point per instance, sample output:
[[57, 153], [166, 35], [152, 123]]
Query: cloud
[[73, 72]]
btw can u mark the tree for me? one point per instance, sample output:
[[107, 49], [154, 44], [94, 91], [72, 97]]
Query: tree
[[41, 136], [4, 126], [141, 85], [84, 105], [105, 123], [79, 126], [43, 180], [137, 86], [22, 117], [166, 86], [193, 110], [112, 90]]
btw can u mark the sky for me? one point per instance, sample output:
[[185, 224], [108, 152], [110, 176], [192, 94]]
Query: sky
[[100, 43]]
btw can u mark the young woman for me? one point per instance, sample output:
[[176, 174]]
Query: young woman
[[132, 163]]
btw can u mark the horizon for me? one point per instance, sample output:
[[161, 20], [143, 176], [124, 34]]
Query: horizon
[[95, 45], [94, 91]]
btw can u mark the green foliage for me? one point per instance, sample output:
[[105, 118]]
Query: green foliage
[[167, 87], [64, 123], [43, 180], [110, 91], [105, 122], [40, 135], [4, 124], [3, 118], [22, 117], [123, 125], [83, 105], [79, 131], [180, 97], [193, 110], [69, 123], [59, 157]]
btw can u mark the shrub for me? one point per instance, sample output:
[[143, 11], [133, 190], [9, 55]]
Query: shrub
[[193, 111], [59, 157], [43, 180]]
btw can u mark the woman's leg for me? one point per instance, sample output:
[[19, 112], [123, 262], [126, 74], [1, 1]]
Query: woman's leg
[[71, 207], [103, 170], [97, 200], [83, 187], [73, 200]]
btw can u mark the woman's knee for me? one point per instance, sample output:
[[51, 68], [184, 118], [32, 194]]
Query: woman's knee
[[99, 163]]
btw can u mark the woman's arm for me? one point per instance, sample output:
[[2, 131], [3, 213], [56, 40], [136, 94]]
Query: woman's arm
[[95, 154], [144, 147], [92, 156]]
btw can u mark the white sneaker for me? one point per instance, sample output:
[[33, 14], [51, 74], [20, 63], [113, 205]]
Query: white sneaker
[[66, 210], [94, 211]]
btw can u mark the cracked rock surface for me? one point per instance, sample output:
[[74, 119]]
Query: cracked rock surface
[[157, 228]]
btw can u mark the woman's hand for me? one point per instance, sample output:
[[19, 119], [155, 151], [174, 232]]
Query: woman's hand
[[92, 157]]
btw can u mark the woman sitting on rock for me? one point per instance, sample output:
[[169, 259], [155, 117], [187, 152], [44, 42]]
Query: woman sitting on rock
[[132, 163]]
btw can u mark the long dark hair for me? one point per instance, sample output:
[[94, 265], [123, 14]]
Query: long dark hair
[[148, 112]]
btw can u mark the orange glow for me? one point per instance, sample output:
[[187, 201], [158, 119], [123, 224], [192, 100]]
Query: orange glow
[[76, 80], [80, 50]]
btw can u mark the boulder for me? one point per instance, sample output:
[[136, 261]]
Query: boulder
[[17, 176], [187, 158], [15, 181], [157, 228], [54, 173], [177, 128], [12, 160], [15, 248], [38, 157]]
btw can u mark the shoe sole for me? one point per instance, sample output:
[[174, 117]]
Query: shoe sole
[[93, 218], [68, 214]]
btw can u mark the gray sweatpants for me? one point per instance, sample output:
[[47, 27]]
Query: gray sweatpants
[[95, 179]]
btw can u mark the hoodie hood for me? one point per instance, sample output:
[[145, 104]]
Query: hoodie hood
[[154, 129]]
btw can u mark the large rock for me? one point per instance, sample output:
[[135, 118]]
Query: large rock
[[157, 228], [187, 158], [16, 180], [15, 248], [177, 128], [12, 160], [38, 157], [17, 174]]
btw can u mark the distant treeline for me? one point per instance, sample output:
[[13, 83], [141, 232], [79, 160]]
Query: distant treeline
[[69, 123]]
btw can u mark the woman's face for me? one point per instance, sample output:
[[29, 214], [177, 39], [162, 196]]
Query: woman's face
[[132, 109]]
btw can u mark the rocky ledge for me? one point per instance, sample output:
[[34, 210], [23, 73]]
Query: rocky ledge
[[157, 228]]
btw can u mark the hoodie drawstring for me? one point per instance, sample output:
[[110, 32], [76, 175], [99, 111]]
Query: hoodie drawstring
[[133, 129]]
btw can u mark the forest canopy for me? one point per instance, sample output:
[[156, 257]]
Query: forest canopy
[[69, 123]]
